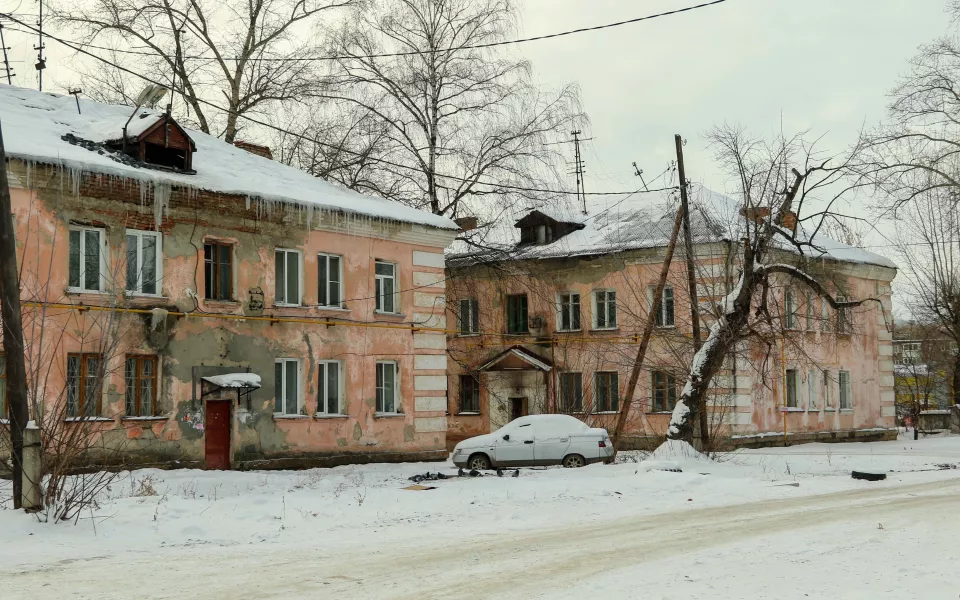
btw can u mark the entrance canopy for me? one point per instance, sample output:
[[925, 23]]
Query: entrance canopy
[[219, 385], [516, 358]]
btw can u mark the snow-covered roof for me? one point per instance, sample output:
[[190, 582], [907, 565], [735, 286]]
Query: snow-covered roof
[[632, 223], [234, 380], [35, 123]]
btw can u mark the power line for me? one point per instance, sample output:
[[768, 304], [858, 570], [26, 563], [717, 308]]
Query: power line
[[419, 52], [503, 186]]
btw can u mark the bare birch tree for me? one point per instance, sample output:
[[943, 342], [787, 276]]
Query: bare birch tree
[[928, 242], [778, 247], [246, 56], [447, 106]]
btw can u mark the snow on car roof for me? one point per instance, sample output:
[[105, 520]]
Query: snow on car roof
[[35, 124]]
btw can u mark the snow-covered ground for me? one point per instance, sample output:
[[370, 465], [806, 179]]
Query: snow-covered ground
[[772, 523]]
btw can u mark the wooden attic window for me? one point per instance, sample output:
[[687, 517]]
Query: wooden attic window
[[163, 145]]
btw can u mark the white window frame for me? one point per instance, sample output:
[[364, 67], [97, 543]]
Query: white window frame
[[790, 309], [283, 387], [158, 248], [562, 308], [841, 392], [323, 367], [607, 303], [286, 256], [844, 318], [468, 317], [377, 278], [666, 390], [101, 280], [663, 306], [396, 388], [825, 326], [812, 403], [809, 311], [827, 385], [791, 388], [326, 256]]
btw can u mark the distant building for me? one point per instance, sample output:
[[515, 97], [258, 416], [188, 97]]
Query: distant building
[[189, 303], [550, 310]]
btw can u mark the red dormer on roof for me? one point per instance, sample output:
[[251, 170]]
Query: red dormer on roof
[[158, 141]]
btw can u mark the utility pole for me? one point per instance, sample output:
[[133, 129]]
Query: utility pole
[[578, 170], [13, 347], [6, 60], [691, 279], [41, 63], [647, 332]]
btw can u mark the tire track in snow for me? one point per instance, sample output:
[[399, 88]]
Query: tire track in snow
[[503, 565]]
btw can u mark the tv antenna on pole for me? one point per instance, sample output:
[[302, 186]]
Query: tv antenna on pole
[[578, 169], [6, 59], [41, 62]]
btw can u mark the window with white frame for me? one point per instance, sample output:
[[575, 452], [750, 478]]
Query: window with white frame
[[664, 317], [790, 309], [910, 353], [288, 277], [825, 317], [569, 316], [843, 317], [812, 401], [843, 381], [286, 385], [606, 391], [793, 382], [604, 309], [385, 275], [808, 311], [330, 280], [469, 318], [828, 390], [144, 262], [330, 387], [387, 387], [87, 259]]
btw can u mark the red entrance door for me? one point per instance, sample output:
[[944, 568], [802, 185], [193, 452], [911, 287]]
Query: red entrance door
[[217, 434]]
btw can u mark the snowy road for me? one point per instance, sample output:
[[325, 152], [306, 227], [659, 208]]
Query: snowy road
[[778, 548]]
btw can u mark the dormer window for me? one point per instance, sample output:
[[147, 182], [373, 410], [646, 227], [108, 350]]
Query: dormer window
[[154, 140], [540, 229]]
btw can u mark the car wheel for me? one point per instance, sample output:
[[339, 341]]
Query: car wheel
[[479, 462], [573, 461]]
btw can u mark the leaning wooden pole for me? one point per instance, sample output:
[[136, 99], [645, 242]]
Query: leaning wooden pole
[[647, 332], [701, 409], [13, 347]]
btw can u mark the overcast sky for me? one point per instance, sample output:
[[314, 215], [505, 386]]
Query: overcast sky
[[825, 65]]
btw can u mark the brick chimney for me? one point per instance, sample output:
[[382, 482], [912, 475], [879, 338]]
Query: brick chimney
[[257, 149]]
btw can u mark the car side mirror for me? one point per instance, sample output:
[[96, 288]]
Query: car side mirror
[[506, 437]]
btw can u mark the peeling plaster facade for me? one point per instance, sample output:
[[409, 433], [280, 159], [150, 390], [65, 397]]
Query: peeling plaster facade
[[748, 402], [193, 337]]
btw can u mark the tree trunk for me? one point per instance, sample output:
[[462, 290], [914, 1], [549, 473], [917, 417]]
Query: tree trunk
[[12, 330], [956, 380]]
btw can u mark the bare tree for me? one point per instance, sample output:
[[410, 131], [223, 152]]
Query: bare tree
[[447, 106], [928, 242], [917, 149], [778, 245], [246, 55]]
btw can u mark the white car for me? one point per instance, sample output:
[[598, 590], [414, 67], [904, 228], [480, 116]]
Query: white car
[[536, 440]]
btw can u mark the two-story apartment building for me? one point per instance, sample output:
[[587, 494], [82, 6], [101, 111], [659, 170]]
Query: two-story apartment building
[[551, 307], [190, 303]]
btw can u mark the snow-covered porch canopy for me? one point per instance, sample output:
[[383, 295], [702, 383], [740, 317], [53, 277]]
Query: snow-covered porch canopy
[[516, 358], [242, 383]]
